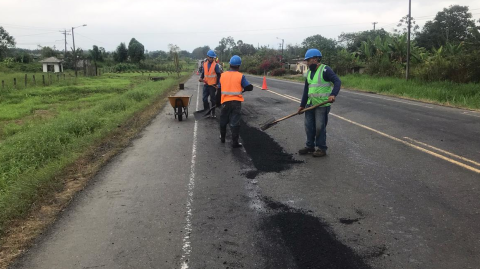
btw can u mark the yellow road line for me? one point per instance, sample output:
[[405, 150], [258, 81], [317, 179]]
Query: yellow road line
[[411, 145], [403, 141], [443, 151], [284, 96]]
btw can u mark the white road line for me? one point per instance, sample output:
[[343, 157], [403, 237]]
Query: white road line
[[187, 245]]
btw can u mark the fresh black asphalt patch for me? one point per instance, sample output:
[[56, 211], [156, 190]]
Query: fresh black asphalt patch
[[309, 240], [266, 154]]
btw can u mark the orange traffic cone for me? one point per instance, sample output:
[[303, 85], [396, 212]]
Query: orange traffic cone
[[264, 86]]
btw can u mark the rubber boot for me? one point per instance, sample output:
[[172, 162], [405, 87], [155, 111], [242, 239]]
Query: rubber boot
[[235, 136], [223, 133]]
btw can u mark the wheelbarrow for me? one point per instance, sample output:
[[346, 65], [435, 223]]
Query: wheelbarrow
[[180, 105]]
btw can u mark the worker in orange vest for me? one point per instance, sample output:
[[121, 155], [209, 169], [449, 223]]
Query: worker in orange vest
[[211, 77], [232, 86]]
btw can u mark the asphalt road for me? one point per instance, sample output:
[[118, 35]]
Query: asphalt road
[[399, 188]]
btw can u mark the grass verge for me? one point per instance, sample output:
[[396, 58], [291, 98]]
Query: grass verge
[[42, 166], [442, 93]]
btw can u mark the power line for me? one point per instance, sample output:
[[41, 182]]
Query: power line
[[95, 40], [28, 27], [34, 34]]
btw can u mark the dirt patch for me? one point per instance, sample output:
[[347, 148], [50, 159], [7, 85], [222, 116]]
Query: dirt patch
[[21, 233], [309, 240], [266, 154]]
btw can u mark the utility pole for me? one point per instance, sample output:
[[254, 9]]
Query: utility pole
[[64, 33], [407, 73], [282, 46], [74, 51], [374, 25]]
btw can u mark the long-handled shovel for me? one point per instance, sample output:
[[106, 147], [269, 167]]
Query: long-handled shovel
[[272, 122], [210, 110]]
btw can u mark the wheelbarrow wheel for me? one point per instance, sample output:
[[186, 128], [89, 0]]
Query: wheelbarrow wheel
[[180, 114]]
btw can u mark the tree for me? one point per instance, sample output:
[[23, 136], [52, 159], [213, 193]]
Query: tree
[[353, 41], [96, 56], [6, 42], [121, 54], [174, 49], [402, 27], [185, 54], [452, 25], [224, 47], [136, 51], [47, 52], [325, 45], [200, 52]]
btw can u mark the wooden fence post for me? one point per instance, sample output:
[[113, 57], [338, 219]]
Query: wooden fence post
[[14, 83], [25, 81], [43, 78], [3, 85], [34, 81]]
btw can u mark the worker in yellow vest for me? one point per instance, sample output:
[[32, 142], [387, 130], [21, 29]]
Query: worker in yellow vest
[[232, 86], [321, 85], [211, 78]]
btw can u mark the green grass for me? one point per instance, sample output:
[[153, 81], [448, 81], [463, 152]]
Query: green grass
[[445, 93], [44, 129]]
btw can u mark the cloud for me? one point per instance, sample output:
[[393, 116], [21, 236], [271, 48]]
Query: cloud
[[191, 24]]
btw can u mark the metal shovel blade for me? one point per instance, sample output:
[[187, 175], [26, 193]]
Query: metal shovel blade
[[209, 111]]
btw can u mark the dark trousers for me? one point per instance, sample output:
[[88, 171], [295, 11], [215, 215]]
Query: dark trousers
[[231, 115], [208, 91]]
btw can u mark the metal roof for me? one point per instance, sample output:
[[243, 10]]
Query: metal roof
[[51, 60]]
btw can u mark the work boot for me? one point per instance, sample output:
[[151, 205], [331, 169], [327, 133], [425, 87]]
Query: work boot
[[223, 133], [306, 151], [235, 136], [319, 153]]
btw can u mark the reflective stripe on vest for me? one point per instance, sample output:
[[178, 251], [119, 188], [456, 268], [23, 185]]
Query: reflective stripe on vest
[[209, 75], [231, 86], [318, 89]]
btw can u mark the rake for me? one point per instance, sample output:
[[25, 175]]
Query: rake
[[272, 122]]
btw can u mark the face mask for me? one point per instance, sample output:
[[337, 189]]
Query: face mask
[[312, 67]]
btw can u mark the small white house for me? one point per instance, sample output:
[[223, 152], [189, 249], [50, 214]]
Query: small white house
[[301, 67], [52, 64]]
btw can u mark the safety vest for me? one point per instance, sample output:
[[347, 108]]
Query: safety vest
[[318, 89], [209, 75], [231, 83]]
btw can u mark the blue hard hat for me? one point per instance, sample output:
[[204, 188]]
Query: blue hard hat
[[312, 53], [211, 53], [235, 60]]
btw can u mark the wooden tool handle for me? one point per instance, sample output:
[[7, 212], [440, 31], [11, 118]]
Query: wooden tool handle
[[303, 110], [315, 106]]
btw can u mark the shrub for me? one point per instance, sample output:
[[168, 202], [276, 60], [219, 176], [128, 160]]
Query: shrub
[[252, 71], [278, 72], [122, 67]]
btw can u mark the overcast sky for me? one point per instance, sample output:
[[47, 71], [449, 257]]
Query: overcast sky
[[190, 24]]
